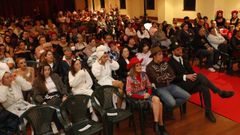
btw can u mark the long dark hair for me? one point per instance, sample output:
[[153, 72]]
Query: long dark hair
[[40, 73], [39, 82], [72, 70]]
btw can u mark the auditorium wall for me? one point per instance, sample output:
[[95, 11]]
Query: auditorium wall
[[168, 9]]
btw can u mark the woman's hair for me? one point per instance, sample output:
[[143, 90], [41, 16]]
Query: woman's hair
[[121, 51], [72, 69], [40, 72], [43, 55], [144, 42], [18, 59], [132, 71]]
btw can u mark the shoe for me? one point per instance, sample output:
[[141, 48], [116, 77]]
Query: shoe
[[216, 66], [162, 130], [226, 94], [210, 116], [211, 69], [156, 127]]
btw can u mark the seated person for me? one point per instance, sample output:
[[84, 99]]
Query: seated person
[[23, 70], [8, 60], [162, 75], [139, 87], [58, 66], [11, 96], [144, 54], [114, 51], [204, 49], [192, 82], [102, 69], [79, 79], [8, 122], [122, 72], [81, 82], [48, 87], [217, 41], [22, 52]]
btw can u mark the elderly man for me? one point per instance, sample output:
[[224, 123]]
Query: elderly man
[[192, 82], [162, 75], [11, 93]]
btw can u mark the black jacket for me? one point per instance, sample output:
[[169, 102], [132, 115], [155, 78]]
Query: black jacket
[[181, 70]]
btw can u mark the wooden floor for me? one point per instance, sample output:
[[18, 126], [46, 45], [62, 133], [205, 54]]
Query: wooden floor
[[193, 123]]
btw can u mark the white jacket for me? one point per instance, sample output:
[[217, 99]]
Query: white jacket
[[81, 83], [12, 98], [144, 35], [215, 40], [103, 73]]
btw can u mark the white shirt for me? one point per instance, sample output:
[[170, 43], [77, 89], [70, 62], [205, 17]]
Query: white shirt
[[50, 85], [12, 98], [146, 59], [215, 40], [103, 73], [144, 35], [81, 83]]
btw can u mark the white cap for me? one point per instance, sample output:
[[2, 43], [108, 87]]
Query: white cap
[[101, 50], [4, 66], [2, 72]]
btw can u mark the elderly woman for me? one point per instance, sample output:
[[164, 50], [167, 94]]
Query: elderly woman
[[139, 87]]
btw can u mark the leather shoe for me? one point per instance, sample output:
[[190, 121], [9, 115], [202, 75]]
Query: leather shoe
[[210, 116], [162, 130], [226, 94]]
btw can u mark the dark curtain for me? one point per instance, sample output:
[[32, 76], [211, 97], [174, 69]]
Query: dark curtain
[[46, 8]]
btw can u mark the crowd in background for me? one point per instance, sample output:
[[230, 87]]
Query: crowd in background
[[76, 51]]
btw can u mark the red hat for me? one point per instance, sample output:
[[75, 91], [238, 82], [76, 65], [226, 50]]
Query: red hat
[[133, 61], [234, 11]]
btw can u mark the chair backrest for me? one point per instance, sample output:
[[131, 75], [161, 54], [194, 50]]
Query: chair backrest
[[75, 106], [40, 118], [104, 95]]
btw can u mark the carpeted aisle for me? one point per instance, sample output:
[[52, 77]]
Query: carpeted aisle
[[230, 107]]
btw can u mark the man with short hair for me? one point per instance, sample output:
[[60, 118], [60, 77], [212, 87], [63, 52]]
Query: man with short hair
[[192, 82], [162, 75]]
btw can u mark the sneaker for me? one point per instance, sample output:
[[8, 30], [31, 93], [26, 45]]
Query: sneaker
[[216, 66], [211, 69]]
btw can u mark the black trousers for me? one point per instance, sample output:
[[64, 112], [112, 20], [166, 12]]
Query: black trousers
[[202, 84], [8, 122]]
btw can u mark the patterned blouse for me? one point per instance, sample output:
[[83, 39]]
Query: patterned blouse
[[138, 83]]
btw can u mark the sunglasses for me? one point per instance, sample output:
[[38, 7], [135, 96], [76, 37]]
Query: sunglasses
[[78, 58]]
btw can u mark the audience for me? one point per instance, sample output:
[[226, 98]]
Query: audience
[[66, 47]]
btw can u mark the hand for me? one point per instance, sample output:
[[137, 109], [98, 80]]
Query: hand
[[210, 49], [192, 77], [64, 98], [146, 95]]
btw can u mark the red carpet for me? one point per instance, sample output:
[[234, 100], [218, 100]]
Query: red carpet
[[230, 107]]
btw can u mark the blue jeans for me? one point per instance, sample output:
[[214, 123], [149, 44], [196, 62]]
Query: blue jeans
[[172, 95]]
